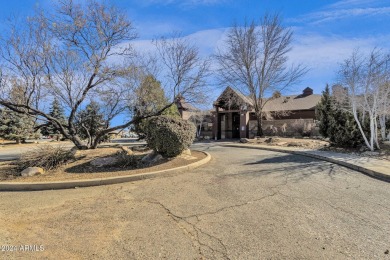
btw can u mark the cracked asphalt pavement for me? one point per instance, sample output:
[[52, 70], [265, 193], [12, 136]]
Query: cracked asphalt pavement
[[244, 204]]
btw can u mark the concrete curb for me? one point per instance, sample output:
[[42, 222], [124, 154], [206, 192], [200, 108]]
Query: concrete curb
[[371, 173], [36, 186]]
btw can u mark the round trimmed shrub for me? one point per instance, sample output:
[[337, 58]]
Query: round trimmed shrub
[[169, 136]]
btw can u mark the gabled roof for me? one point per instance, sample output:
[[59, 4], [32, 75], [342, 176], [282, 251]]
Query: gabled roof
[[230, 91], [305, 101], [291, 103]]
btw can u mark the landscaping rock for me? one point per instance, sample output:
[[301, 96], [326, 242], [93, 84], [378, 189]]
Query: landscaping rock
[[105, 161], [186, 152], [156, 159], [272, 140], [244, 140], [147, 158], [32, 171], [151, 158]]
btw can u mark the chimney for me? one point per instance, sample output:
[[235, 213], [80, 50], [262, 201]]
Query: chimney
[[307, 92]]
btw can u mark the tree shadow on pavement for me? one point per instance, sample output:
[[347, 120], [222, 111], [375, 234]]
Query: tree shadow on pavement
[[294, 167]]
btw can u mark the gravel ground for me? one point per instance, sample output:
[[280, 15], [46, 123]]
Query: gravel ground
[[383, 154]]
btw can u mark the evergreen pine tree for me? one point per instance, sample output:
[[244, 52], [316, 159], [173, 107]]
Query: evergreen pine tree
[[57, 112], [15, 126], [150, 96], [90, 121], [150, 99], [337, 122], [324, 112], [343, 130]]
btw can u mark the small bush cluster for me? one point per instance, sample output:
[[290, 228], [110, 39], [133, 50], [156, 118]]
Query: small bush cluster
[[47, 157], [299, 127], [169, 136]]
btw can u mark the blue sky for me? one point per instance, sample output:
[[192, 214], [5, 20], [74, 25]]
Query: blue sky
[[325, 32]]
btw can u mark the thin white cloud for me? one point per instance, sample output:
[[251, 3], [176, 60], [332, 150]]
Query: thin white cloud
[[322, 54], [346, 9], [323, 16], [353, 3]]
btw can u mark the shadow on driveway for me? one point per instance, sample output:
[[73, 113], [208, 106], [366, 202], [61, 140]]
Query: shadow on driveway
[[294, 167]]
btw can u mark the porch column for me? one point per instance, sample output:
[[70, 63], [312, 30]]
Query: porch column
[[215, 123], [244, 124]]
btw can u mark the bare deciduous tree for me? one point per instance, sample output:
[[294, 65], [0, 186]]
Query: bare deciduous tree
[[184, 71], [254, 61], [74, 54], [367, 79], [64, 55]]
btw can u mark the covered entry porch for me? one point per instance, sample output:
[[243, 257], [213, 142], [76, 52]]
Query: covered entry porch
[[230, 124], [231, 116]]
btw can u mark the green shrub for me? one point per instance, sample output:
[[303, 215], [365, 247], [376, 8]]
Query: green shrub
[[169, 136], [343, 130], [47, 157]]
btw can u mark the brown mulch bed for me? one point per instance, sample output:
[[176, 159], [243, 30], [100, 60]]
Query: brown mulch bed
[[82, 169]]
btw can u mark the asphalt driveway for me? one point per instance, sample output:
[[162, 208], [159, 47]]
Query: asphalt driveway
[[244, 204]]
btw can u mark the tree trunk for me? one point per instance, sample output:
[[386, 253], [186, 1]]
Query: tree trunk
[[96, 142], [376, 133], [355, 115], [372, 130], [382, 123], [78, 143], [199, 130], [259, 125]]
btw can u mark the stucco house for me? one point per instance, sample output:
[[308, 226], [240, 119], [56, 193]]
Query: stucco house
[[234, 117]]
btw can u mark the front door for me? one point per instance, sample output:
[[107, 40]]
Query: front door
[[236, 125]]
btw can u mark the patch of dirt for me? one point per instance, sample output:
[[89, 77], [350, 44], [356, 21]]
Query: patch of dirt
[[383, 154], [306, 143], [82, 169], [290, 142], [11, 144]]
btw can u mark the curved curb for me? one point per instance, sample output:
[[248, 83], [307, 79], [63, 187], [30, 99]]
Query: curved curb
[[38, 186], [371, 173]]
